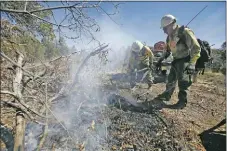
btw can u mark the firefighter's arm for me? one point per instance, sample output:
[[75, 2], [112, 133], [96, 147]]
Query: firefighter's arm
[[147, 54], [168, 50], [164, 56], [132, 63], [193, 45]]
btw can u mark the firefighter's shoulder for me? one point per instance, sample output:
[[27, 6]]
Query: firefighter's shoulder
[[147, 51]]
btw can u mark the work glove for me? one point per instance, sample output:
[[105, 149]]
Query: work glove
[[190, 69], [158, 65]]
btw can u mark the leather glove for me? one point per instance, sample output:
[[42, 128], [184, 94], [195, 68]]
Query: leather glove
[[190, 69]]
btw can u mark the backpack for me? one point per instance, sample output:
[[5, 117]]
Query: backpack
[[205, 51], [205, 48]]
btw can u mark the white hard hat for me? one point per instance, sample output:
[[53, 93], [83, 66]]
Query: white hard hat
[[166, 20], [137, 46]]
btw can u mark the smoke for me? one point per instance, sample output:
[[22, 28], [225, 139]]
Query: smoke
[[118, 41], [112, 34], [82, 112]]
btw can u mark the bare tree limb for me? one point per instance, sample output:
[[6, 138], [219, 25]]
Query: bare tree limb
[[15, 105], [85, 61], [7, 58], [10, 93], [46, 20], [56, 7], [108, 15], [53, 60], [58, 95], [17, 83], [25, 5], [18, 107], [37, 77], [45, 9], [67, 56], [45, 132], [13, 42]]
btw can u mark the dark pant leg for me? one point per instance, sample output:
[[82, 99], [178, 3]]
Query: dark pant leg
[[171, 83], [184, 81]]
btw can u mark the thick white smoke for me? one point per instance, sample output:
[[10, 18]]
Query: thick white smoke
[[80, 110]]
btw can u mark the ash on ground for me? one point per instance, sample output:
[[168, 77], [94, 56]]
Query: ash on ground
[[107, 127]]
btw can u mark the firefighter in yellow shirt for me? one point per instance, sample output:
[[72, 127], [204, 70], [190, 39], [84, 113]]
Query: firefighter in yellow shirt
[[141, 57], [185, 49]]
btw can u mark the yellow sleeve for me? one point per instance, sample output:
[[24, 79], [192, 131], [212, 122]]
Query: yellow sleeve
[[146, 56], [148, 52], [193, 45]]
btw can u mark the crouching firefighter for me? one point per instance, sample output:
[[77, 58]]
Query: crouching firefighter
[[185, 49], [140, 64]]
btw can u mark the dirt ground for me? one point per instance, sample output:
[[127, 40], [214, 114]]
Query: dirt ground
[[206, 106]]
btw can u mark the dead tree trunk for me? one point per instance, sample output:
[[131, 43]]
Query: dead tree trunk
[[20, 120], [20, 131]]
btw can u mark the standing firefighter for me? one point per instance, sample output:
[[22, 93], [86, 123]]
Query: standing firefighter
[[140, 64], [185, 49]]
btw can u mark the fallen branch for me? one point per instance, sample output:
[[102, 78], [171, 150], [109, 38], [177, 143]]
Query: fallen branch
[[85, 61], [70, 86], [59, 94], [63, 57]]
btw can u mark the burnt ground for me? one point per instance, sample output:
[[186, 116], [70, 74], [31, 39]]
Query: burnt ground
[[206, 108], [129, 124]]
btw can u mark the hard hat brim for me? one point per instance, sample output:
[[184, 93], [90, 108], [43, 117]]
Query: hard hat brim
[[168, 24]]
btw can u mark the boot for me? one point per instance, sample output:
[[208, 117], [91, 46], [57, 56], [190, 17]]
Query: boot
[[179, 105], [182, 97], [164, 96]]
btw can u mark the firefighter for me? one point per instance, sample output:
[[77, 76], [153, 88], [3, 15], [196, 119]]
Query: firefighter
[[185, 49], [141, 57]]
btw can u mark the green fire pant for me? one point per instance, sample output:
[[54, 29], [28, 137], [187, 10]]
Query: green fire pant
[[178, 73]]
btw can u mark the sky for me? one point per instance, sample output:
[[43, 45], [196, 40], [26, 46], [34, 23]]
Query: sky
[[145, 17], [137, 20], [141, 21]]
